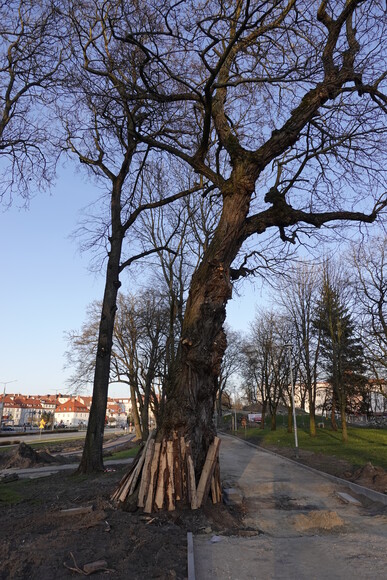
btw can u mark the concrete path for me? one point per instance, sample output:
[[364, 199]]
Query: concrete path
[[36, 472], [297, 525]]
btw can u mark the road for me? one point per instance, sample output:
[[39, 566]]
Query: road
[[297, 525], [36, 437]]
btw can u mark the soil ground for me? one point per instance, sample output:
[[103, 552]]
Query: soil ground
[[39, 541]]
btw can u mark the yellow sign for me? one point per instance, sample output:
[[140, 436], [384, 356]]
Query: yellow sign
[[42, 424]]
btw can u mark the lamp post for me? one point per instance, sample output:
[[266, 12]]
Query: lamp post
[[289, 347], [2, 400]]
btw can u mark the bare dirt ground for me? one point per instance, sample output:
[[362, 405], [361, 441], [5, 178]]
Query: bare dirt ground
[[39, 541]]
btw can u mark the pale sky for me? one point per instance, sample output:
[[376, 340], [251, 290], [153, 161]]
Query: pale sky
[[46, 286]]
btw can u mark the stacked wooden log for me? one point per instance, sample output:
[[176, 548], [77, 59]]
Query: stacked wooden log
[[163, 474]]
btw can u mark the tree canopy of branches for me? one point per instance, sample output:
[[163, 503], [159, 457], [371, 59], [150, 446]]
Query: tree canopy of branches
[[30, 58], [278, 108], [281, 107]]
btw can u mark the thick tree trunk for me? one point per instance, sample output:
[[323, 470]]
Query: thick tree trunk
[[185, 449], [273, 421], [192, 392]]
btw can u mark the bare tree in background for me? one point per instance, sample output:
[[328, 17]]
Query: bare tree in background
[[370, 261], [100, 115], [138, 352], [30, 58], [299, 294], [230, 367]]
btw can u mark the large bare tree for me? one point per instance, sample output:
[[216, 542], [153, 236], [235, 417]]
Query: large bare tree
[[281, 107]]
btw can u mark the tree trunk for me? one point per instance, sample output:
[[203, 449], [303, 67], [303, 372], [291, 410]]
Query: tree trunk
[[312, 420], [290, 419], [135, 414], [192, 387], [92, 457], [273, 421], [264, 407], [333, 415], [344, 430]]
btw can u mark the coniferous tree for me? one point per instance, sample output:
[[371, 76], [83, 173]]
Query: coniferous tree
[[341, 352]]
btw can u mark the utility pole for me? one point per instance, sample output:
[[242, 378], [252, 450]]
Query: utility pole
[[5, 383]]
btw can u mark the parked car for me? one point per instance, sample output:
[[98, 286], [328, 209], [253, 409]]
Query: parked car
[[7, 428]]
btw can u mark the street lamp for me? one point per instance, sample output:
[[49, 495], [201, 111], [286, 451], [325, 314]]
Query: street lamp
[[289, 347]]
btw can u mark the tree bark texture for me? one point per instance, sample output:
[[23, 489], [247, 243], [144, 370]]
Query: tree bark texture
[[185, 456], [191, 400]]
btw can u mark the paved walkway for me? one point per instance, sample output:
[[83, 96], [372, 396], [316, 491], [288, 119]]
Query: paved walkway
[[297, 525]]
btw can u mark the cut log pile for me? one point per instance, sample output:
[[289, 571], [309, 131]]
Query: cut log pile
[[164, 474]]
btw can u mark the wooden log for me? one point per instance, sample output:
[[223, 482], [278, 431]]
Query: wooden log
[[126, 479], [207, 472], [192, 494], [128, 482], [145, 477], [170, 483], [216, 490], [184, 470], [160, 489], [137, 471], [217, 481], [98, 566], [177, 469], [153, 479], [76, 511], [213, 490]]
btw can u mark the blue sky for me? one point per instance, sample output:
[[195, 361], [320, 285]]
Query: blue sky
[[46, 286]]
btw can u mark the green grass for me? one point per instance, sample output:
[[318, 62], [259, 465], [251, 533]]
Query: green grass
[[8, 495], [363, 444], [14, 492], [125, 453]]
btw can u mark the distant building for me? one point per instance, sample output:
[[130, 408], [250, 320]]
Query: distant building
[[21, 410], [72, 414]]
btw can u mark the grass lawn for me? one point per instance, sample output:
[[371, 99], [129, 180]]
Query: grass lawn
[[125, 453], [363, 444]]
